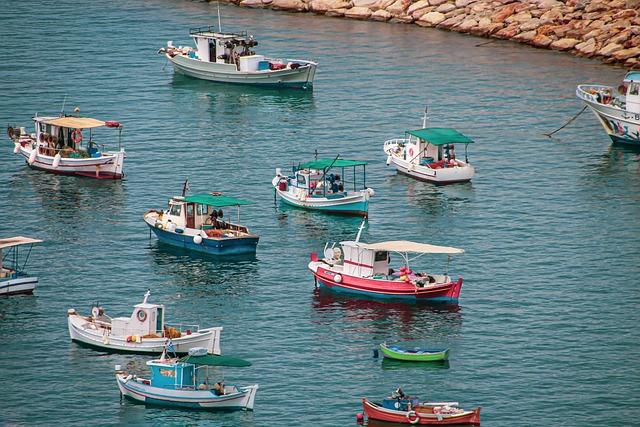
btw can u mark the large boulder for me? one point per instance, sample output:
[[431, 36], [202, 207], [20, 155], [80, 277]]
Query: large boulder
[[358, 12], [323, 6], [596, 6], [532, 24], [467, 24], [380, 15], [508, 32], [520, 18], [541, 40], [398, 7], [421, 4], [587, 48], [337, 12], [450, 23], [549, 4], [445, 8], [437, 2], [293, 5], [364, 3], [623, 54], [610, 49], [502, 14], [253, 3], [464, 3], [431, 19], [551, 16], [563, 44], [526, 37]]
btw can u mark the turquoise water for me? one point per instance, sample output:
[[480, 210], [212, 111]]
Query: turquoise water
[[546, 331]]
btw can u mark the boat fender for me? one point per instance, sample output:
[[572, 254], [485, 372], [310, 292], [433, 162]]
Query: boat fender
[[141, 315], [16, 148], [337, 278], [158, 225], [56, 161], [413, 417], [32, 156], [411, 152], [197, 239], [76, 136], [388, 160], [371, 192]]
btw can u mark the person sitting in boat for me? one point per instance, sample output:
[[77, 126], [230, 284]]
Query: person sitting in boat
[[397, 394], [218, 388]]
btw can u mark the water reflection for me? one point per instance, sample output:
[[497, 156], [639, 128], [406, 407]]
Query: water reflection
[[318, 226], [619, 158], [390, 365]]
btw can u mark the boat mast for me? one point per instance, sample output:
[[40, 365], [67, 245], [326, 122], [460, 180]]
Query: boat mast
[[424, 118], [360, 231], [219, 23]]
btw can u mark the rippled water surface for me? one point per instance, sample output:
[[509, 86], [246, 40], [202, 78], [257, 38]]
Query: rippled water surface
[[546, 331]]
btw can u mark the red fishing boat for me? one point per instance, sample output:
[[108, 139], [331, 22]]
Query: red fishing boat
[[408, 410], [363, 268]]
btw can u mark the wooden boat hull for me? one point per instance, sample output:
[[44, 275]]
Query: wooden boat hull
[[86, 333], [187, 399], [374, 411], [18, 286], [300, 78], [445, 293], [621, 126], [423, 356], [108, 166], [212, 246]]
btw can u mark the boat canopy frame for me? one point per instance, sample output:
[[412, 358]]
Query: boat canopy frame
[[326, 164], [12, 244], [216, 200], [80, 123], [440, 136]]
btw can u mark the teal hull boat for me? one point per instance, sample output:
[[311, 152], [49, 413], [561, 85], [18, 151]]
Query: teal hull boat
[[415, 354]]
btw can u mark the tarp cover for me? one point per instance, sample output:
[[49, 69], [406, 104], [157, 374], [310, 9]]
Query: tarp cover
[[214, 360], [441, 136], [325, 163], [406, 246], [219, 201], [16, 241], [75, 122]]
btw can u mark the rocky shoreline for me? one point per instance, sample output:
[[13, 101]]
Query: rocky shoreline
[[605, 29]]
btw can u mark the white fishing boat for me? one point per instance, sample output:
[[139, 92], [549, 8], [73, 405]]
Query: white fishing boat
[[617, 110], [428, 154], [59, 146], [324, 185], [145, 331], [14, 280], [186, 383], [227, 58]]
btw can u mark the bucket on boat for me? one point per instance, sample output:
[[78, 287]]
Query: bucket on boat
[[282, 185]]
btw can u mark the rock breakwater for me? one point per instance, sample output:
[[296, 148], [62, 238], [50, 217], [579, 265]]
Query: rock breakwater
[[605, 29]]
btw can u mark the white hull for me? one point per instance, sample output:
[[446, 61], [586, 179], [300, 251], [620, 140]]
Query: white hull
[[462, 172], [109, 165], [21, 285], [227, 73], [81, 330], [621, 125], [244, 398]]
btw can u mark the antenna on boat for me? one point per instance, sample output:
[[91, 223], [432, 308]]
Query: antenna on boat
[[219, 23], [64, 101], [360, 230], [185, 187], [424, 118]]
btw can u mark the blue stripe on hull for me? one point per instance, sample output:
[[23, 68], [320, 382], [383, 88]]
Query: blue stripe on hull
[[355, 208], [213, 247], [375, 295], [626, 141]]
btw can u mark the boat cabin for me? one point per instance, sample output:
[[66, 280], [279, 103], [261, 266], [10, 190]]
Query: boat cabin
[[64, 135], [631, 86], [171, 375], [10, 267], [328, 178], [146, 319], [429, 146], [227, 48], [202, 211], [364, 262]]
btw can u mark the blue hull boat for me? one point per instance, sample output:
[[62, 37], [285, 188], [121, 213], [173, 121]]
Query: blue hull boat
[[227, 246]]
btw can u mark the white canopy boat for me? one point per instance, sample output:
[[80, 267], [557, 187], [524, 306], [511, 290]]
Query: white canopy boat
[[228, 58], [619, 115], [428, 154], [57, 147], [144, 332], [13, 278]]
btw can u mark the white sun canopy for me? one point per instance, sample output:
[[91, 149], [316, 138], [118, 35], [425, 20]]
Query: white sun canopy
[[16, 241], [407, 246]]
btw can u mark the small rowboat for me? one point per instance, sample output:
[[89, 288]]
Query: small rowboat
[[408, 410], [414, 355]]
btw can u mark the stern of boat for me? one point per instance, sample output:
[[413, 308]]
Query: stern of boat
[[214, 339], [250, 397]]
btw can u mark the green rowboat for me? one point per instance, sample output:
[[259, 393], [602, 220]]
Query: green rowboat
[[414, 354]]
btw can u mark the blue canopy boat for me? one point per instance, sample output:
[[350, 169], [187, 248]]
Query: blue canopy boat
[[198, 223], [323, 185], [13, 279], [184, 383]]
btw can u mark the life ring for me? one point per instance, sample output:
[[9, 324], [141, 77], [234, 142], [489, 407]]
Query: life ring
[[413, 417], [76, 136], [411, 152], [11, 132], [337, 278], [141, 315]]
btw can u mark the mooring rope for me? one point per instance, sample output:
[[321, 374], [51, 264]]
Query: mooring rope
[[566, 124]]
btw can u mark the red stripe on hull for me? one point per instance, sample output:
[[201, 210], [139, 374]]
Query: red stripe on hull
[[375, 412], [449, 290]]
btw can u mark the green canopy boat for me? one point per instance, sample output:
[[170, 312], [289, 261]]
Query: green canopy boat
[[415, 354]]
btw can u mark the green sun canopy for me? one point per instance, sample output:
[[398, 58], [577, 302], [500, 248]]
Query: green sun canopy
[[218, 201], [325, 163], [441, 136], [214, 360]]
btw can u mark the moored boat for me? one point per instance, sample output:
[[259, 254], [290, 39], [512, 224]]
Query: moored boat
[[227, 58], [58, 146], [318, 186], [618, 111], [415, 354], [363, 269], [145, 331], [197, 223], [184, 383], [428, 154], [14, 280], [402, 409]]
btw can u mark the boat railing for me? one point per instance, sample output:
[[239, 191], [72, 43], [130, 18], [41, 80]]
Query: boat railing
[[212, 30], [183, 327], [395, 141]]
